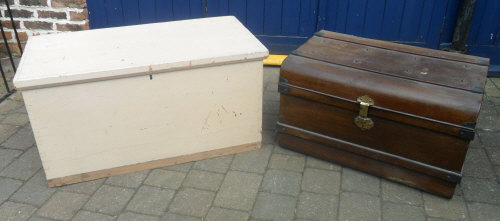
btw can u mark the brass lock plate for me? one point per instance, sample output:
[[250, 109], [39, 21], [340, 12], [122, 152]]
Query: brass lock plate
[[362, 120]]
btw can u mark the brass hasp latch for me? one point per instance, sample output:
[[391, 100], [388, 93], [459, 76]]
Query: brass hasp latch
[[362, 120]]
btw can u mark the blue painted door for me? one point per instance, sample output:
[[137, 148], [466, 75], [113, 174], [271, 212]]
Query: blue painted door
[[414, 22], [484, 39], [282, 25]]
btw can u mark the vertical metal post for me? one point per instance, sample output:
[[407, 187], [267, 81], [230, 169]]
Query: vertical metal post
[[14, 27], [4, 79], [462, 27], [7, 47]]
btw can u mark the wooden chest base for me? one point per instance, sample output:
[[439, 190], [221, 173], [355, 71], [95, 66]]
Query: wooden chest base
[[339, 154], [152, 164]]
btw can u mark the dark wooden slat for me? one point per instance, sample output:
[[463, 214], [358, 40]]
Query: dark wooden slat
[[406, 48], [389, 136], [420, 99], [380, 168], [416, 67], [410, 119]]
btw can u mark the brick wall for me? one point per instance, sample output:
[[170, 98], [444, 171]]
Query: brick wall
[[36, 17]]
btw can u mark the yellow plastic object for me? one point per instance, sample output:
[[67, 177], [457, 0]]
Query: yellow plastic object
[[274, 59]]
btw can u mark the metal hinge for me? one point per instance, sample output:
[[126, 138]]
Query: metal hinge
[[468, 132]]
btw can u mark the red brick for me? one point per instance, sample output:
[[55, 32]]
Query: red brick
[[14, 49], [72, 27], [20, 13], [11, 2], [33, 2], [78, 16], [8, 35], [69, 3], [23, 37], [38, 25], [8, 24], [52, 14]]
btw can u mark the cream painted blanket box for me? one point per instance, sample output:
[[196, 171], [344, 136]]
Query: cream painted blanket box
[[110, 101]]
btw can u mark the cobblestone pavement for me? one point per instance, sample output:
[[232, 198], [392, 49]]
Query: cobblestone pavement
[[267, 184]]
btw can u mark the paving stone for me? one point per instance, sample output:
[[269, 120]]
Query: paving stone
[[268, 137], [280, 150], [488, 120], [87, 187], [192, 202], [109, 200], [395, 212], [62, 205], [238, 190], [272, 87], [21, 109], [216, 214], [287, 162], [8, 106], [7, 130], [357, 206], [271, 96], [270, 106], [18, 119], [494, 154], [35, 191], [476, 142], [271, 74], [395, 192], [489, 138], [131, 180], [10, 211], [184, 167], [357, 181], [217, 164], [283, 182], [21, 140], [491, 89], [38, 218], [90, 216], [313, 162], [481, 190], [477, 164], [437, 219], [128, 216], [165, 178], [25, 166], [252, 161], [321, 181], [177, 217], [8, 187], [203, 180], [7, 156], [17, 96], [497, 171], [483, 212], [445, 208], [270, 206], [151, 200], [314, 206], [269, 121]]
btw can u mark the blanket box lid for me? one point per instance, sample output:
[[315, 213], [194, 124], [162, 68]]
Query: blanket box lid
[[92, 55], [437, 90]]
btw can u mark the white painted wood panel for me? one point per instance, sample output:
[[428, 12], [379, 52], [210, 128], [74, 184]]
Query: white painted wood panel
[[91, 55], [107, 124]]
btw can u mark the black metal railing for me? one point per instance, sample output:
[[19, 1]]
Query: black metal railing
[[8, 89]]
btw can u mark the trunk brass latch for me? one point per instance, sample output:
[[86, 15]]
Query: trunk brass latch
[[362, 120]]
